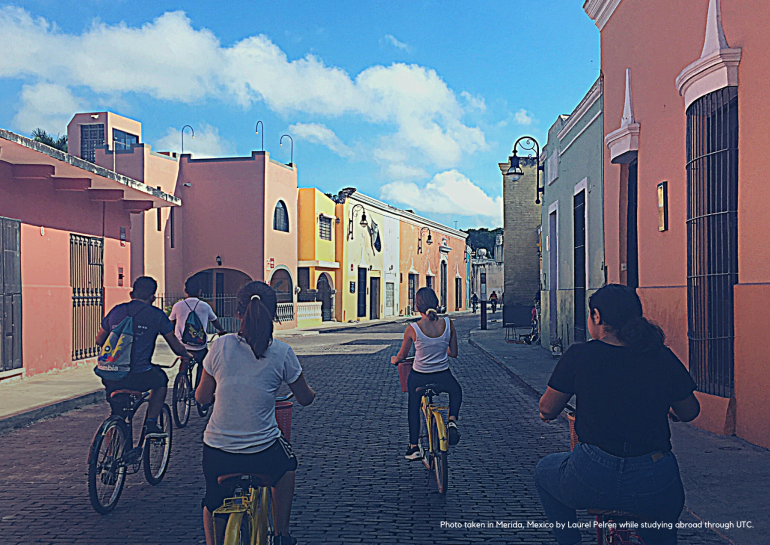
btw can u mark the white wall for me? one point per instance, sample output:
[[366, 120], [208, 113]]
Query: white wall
[[391, 240]]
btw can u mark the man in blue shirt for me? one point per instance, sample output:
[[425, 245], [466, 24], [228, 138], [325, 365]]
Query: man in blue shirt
[[149, 322]]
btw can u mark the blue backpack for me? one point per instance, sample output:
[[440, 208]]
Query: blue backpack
[[194, 334]]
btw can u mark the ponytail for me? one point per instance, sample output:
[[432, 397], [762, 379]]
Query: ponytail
[[256, 309], [425, 301], [621, 312]]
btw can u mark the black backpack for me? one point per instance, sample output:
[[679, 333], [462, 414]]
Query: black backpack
[[193, 334]]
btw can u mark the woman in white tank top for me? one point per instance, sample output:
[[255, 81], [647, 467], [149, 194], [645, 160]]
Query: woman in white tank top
[[435, 341]]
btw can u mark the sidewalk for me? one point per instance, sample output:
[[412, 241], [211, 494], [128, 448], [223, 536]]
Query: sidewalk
[[725, 478], [344, 326], [25, 401]]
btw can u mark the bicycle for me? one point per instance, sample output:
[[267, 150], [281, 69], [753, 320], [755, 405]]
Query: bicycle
[[433, 433], [250, 515], [613, 527], [112, 455], [183, 395]]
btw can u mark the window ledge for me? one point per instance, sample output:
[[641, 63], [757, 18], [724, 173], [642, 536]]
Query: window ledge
[[623, 143], [708, 74]]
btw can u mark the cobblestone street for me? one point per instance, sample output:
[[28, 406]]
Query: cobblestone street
[[353, 485]]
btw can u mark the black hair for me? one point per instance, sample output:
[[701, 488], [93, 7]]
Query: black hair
[[621, 312], [256, 309], [425, 301], [144, 288], [192, 287]]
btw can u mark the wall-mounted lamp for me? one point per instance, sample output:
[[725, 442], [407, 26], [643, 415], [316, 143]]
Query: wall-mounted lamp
[[429, 240], [193, 136], [263, 133], [363, 221], [515, 172], [219, 261], [297, 289], [187, 184], [280, 143]]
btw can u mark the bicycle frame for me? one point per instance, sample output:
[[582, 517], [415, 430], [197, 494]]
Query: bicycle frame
[[248, 505], [430, 409]]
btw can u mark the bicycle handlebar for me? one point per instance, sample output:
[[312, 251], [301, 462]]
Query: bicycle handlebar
[[410, 359], [285, 398]]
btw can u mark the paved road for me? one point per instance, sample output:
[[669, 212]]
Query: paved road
[[353, 484]]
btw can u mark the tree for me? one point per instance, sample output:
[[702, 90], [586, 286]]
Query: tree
[[483, 238], [58, 142]]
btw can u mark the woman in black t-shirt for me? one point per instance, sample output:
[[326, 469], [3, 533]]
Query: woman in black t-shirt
[[627, 383]]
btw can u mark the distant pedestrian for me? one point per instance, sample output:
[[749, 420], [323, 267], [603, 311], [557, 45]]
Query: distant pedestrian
[[435, 341], [474, 302]]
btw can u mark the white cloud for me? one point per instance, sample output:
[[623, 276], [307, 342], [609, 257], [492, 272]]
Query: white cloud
[[392, 40], [474, 102], [523, 117], [321, 134], [168, 59], [206, 144], [47, 106], [449, 192]]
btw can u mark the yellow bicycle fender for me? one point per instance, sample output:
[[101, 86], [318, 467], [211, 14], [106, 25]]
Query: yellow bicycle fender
[[233, 529], [260, 536], [443, 440]]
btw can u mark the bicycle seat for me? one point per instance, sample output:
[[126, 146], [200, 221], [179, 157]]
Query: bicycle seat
[[614, 513], [135, 393], [231, 480], [430, 389]]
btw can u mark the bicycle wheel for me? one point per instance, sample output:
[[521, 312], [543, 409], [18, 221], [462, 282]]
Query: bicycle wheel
[[439, 461], [181, 400], [157, 451], [423, 441], [106, 472], [265, 524]]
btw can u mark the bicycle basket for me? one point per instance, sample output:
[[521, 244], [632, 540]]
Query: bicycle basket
[[404, 368], [283, 417]]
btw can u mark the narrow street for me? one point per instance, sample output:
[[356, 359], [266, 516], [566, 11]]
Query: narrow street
[[353, 484]]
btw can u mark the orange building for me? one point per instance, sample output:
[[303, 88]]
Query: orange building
[[685, 198], [65, 252]]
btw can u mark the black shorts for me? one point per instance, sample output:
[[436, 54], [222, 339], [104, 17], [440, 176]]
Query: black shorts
[[275, 461], [141, 382]]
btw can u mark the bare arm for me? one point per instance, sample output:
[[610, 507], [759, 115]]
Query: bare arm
[[552, 403], [220, 329], [205, 392], [406, 345], [304, 393], [176, 346], [101, 337], [687, 409], [452, 350]]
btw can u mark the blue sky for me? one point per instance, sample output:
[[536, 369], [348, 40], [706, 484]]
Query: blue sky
[[414, 102]]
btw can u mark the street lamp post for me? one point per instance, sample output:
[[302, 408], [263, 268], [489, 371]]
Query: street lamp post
[[193, 136], [515, 172], [263, 133], [292, 147], [429, 240]]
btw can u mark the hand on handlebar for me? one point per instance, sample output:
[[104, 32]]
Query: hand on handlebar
[[221, 332], [394, 360]]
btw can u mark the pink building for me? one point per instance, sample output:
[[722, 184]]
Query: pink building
[[238, 223], [65, 252]]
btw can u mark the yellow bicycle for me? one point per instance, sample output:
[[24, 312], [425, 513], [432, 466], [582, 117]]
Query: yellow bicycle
[[250, 515], [433, 432]]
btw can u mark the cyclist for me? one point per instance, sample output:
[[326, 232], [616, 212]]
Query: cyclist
[[435, 341], [242, 436], [179, 314], [149, 322], [627, 382], [493, 301]]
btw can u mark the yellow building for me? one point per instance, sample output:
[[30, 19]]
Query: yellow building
[[317, 265]]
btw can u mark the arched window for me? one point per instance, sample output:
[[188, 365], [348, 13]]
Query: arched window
[[283, 286], [281, 217]]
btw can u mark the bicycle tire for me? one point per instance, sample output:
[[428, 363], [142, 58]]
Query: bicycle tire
[[157, 452], [181, 400], [265, 521], [440, 460], [107, 470]]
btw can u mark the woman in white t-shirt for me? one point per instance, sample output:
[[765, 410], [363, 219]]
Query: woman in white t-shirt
[[435, 341], [242, 436]]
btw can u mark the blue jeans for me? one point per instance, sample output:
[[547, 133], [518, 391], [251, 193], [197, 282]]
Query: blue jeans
[[588, 477]]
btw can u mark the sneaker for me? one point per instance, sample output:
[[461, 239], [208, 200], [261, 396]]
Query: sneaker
[[454, 435], [414, 453], [151, 429]]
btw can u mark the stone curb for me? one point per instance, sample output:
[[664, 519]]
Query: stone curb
[[26, 417]]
